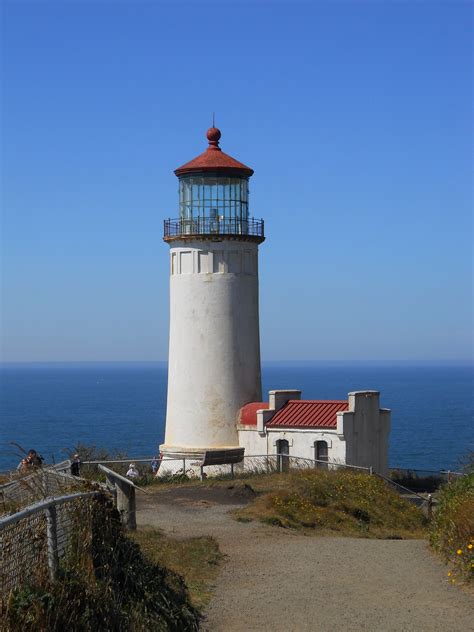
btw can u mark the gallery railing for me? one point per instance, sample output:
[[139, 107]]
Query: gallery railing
[[214, 226]]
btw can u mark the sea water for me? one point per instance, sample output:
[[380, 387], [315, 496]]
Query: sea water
[[122, 407]]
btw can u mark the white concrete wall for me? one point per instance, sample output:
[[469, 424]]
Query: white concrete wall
[[301, 442], [214, 348], [277, 399], [366, 428]]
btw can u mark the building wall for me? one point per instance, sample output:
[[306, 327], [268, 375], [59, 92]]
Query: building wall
[[361, 437], [214, 353], [366, 428], [301, 442]]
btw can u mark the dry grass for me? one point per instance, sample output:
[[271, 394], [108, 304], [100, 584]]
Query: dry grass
[[344, 503], [197, 560]]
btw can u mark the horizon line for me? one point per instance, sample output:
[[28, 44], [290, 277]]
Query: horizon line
[[417, 362]]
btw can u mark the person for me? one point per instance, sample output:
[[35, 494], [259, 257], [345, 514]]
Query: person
[[30, 462], [23, 466], [34, 459], [132, 471], [76, 465], [155, 464]]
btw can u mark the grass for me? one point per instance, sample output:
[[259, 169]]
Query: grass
[[343, 503], [452, 528], [197, 560]]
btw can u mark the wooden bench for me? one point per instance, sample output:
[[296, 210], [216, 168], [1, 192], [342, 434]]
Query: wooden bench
[[228, 456]]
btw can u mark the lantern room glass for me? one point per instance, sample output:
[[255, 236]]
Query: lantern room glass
[[213, 197]]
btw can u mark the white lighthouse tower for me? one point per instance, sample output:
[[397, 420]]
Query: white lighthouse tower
[[214, 345]]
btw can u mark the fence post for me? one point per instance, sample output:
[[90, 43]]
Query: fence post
[[52, 541], [232, 470], [184, 466], [371, 470], [126, 504], [430, 506]]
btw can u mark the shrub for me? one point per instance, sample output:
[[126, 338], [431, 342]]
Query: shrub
[[113, 588], [417, 482], [452, 528]]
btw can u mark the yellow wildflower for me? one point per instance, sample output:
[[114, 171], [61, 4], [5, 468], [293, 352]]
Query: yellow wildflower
[[469, 546], [449, 574], [459, 551]]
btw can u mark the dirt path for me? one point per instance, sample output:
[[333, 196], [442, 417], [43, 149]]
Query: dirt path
[[278, 580]]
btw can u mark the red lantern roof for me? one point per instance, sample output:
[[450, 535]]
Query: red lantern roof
[[214, 160]]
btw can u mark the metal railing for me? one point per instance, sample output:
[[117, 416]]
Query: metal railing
[[33, 541], [447, 475], [213, 226], [41, 483], [425, 503], [186, 466], [124, 496]]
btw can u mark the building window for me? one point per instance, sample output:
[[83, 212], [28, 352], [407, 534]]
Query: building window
[[321, 454]]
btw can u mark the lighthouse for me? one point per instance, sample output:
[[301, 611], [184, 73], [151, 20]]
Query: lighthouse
[[214, 341]]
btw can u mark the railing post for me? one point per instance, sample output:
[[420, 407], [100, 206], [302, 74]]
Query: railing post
[[184, 466], [126, 504], [232, 470], [52, 541], [430, 506], [371, 470]]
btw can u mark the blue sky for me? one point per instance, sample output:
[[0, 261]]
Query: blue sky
[[357, 118]]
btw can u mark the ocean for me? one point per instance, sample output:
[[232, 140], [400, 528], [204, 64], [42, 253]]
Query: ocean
[[122, 407]]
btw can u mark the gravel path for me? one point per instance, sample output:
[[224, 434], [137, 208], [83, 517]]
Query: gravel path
[[278, 580]]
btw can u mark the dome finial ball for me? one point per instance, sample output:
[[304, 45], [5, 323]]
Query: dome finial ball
[[213, 135]]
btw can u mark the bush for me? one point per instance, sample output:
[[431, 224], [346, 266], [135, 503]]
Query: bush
[[417, 482], [452, 528], [113, 588]]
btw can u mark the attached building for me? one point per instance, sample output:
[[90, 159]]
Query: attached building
[[354, 432]]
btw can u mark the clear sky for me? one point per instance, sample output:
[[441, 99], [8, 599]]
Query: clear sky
[[357, 118]]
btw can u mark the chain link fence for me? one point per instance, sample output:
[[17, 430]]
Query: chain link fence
[[36, 540], [39, 484]]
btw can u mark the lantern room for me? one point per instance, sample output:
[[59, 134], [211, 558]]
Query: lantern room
[[213, 196]]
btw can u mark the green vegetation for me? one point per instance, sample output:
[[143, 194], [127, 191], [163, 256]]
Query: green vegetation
[[106, 583], [467, 462], [416, 482], [195, 559], [346, 503], [452, 527]]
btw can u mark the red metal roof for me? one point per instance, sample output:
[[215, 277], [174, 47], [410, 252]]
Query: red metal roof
[[308, 414], [248, 413], [214, 159]]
